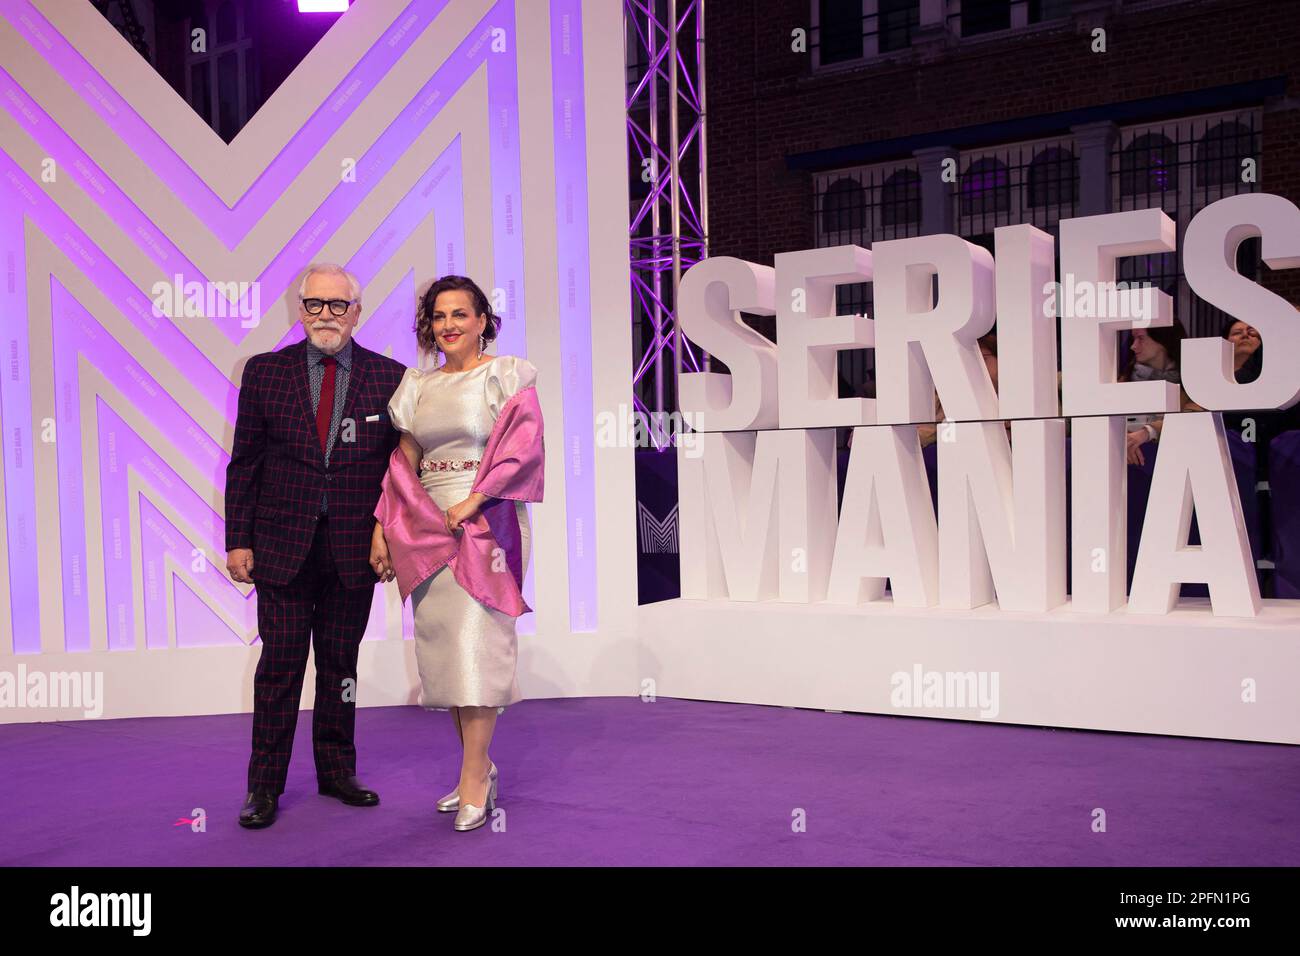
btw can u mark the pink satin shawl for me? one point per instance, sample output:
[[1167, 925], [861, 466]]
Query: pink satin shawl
[[486, 557]]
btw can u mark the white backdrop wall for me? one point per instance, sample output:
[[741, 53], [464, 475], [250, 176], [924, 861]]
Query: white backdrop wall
[[419, 137]]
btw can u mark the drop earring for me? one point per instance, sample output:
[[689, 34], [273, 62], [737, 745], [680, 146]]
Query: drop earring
[[481, 345]]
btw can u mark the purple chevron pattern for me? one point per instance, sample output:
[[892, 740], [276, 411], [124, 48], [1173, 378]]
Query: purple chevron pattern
[[116, 419]]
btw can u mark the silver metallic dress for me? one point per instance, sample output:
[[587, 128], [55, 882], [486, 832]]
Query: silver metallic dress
[[464, 650]]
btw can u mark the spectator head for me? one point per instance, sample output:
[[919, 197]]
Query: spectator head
[[1244, 339], [1159, 347], [989, 351]]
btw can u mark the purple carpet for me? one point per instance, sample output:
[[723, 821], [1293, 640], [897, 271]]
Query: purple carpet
[[619, 781]]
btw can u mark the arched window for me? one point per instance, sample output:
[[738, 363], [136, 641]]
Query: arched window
[[900, 198], [844, 206], [1149, 164], [1053, 178], [985, 187], [1220, 152]]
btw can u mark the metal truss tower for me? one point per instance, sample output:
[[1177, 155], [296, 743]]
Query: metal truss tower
[[669, 215]]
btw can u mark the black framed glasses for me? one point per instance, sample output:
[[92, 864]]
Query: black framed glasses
[[337, 306]]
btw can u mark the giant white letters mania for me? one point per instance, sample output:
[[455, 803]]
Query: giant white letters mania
[[758, 490]]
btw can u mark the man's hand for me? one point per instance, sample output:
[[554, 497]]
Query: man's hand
[[239, 562], [380, 562]]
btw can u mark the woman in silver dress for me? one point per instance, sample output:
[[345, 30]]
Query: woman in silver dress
[[465, 650]]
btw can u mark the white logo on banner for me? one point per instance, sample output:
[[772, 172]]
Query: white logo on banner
[[657, 537]]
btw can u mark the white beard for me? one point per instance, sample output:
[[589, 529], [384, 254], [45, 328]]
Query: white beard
[[329, 341]]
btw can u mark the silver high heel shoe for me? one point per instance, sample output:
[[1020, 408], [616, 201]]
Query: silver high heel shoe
[[451, 802], [470, 817]]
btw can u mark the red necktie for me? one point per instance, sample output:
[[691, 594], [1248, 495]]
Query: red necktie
[[325, 410]]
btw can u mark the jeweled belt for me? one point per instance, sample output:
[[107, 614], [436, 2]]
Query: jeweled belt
[[449, 464]]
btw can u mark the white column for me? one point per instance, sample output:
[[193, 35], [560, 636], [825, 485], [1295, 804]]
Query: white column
[[936, 195], [1094, 142]]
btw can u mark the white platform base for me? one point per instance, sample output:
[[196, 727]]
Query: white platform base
[[219, 680], [1186, 674]]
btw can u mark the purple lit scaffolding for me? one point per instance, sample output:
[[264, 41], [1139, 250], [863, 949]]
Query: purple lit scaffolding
[[669, 215]]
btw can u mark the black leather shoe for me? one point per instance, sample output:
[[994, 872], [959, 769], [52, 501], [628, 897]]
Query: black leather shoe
[[350, 791], [259, 810]]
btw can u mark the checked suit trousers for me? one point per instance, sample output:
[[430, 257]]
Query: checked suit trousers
[[314, 610]]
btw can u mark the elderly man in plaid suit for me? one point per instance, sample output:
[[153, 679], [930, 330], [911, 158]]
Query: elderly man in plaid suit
[[312, 443]]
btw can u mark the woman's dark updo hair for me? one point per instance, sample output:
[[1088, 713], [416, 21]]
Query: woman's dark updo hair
[[479, 302]]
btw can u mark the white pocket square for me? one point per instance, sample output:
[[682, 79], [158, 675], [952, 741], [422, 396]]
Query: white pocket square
[[372, 418]]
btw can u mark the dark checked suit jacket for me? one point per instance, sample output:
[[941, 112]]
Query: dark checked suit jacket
[[277, 472]]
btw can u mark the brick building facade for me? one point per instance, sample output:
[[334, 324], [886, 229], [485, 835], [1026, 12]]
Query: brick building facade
[[1041, 125]]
